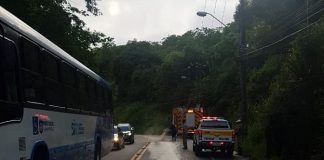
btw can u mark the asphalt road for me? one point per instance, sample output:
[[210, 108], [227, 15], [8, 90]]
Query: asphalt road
[[162, 148], [129, 151], [165, 149]]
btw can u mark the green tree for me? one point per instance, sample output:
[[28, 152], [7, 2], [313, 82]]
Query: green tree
[[57, 20]]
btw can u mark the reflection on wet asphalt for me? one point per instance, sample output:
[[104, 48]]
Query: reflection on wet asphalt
[[165, 149]]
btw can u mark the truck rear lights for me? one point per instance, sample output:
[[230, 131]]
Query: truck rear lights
[[209, 117]]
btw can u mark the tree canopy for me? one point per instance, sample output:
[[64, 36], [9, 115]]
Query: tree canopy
[[284, 59]]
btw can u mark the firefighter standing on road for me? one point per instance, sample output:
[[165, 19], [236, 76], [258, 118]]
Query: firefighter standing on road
[[184, 134], [173, 132], [238, 135]]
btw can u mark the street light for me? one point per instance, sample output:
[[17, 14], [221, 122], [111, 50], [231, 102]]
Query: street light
[[203, 14], [242, 69]]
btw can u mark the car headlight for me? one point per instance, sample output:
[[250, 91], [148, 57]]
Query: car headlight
[[116, 137], [129, 133]]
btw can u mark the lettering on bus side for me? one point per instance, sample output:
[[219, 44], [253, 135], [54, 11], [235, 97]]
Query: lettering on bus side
[[41, 125], [77, 128]]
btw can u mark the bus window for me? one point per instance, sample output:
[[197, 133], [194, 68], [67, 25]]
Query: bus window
[[82, 86], [52, 87], [1, 32], [101, 98], [69, 89], [8, 82], [30, 56], [83, 89], [107, 99], [49, 65], [91, 89], [91, 95], [32, 79], [68, 75]]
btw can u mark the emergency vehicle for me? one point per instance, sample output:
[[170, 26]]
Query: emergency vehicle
[[214, 133], [192, 117]]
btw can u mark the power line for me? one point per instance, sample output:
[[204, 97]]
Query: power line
[[286, 23], [280, 24], [214, 12], [224, 10], [202, 21], [282, 39]]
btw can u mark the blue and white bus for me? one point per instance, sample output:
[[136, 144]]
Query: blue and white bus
[[52, 107]]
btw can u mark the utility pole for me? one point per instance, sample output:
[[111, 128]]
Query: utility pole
[[242, 74]]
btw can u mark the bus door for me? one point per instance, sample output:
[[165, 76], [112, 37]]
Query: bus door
[[9, 106]]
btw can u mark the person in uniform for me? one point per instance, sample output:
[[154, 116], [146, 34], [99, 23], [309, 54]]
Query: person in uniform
[[173, 132], [184, 134]]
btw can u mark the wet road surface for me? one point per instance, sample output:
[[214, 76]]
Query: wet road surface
[[165, 149], [162, 148], [129, 151]]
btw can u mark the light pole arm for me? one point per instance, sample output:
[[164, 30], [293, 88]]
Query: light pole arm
[[217, 19]]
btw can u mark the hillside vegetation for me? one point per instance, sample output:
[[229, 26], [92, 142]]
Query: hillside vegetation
[[285, 71]]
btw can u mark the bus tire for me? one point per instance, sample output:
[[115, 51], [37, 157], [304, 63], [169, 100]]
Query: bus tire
[[97, 150], [41, 153]]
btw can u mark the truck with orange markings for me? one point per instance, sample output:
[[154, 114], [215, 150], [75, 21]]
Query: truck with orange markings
[[191, 115], [215, 134]]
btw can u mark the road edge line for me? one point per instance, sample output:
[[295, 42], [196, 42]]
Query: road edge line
[[138, 155]]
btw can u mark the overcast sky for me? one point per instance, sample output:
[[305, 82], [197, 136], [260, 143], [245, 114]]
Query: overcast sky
[[152, 20]]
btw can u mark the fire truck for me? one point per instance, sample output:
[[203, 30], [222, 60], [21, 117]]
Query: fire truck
[[191, 115]]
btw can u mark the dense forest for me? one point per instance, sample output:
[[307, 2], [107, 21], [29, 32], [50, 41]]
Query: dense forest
[[284, 66]]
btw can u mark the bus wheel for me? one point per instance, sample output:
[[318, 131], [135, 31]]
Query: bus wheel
[[97, 151], [41, 154]]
